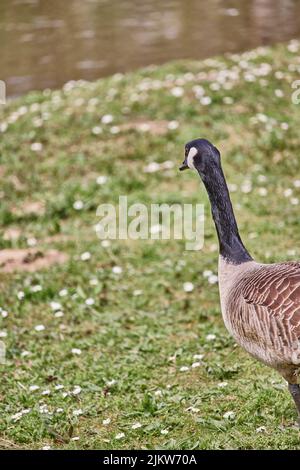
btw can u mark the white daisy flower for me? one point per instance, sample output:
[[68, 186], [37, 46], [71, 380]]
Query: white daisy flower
[[213, 279], [107, 119], [222, 384], [114, 130], [152, 167], [55, 306], [76, 351], [43, 409], [192, 409], [25, 353], [205, 100], [196, 364], [207, 273], [97, 130], [246, 187], [58, 387], [262, 191], [262, 178], [36, 288], [110, 383], [229, 415], [101, 180], [177, 91], [85, 256], [232, 187], [78, 205], [59, 314], [279, 93], [288, 192], [211, 337], [137, 292], [31, 241], [136, 426], [188, 286], [36, 147], [76, 390], [19, 415], [173, 125], [198, 357], [63, 292], [117, 270], [261, 429], [39, 328]]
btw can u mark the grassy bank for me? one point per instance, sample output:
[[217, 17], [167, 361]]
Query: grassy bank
[[129, 359]]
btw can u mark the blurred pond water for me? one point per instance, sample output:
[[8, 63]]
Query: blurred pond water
[[46, 43]]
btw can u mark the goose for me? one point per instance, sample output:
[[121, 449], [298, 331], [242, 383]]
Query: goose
[[260, 303]]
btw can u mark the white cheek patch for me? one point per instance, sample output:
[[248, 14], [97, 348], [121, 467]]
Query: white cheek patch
[[190, 159]]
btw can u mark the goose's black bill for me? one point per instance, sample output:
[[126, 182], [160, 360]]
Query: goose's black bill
[[184, 166]]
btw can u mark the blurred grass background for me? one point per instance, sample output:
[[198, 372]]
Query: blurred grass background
[[132, 360]]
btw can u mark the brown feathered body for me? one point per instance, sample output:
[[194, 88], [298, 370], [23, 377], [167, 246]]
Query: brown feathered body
[[261, 309]]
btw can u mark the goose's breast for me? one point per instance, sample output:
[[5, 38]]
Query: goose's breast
[[250, 331]]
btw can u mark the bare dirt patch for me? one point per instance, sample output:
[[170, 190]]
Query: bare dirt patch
[[12, 233], [30, 207], [29, 260], [15, 181], [153, 127]]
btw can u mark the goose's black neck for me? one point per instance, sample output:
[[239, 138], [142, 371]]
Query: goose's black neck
[[231, 245]]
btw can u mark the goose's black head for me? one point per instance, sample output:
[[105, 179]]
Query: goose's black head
[[200, 155]]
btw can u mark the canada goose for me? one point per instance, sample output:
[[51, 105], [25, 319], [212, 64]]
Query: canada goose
[[260, 303]]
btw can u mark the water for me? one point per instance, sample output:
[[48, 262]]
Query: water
[[46, 43]]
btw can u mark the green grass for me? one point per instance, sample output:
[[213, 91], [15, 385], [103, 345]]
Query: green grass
[[134, 346]]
